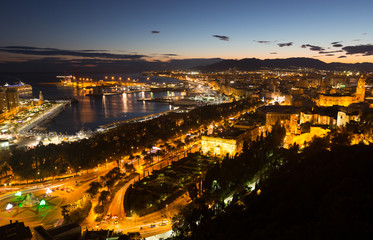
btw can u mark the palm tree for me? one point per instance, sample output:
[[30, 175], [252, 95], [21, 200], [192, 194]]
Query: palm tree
[[104, 197], [93, 188]]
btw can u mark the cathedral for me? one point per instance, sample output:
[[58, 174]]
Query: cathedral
[[328, 100]]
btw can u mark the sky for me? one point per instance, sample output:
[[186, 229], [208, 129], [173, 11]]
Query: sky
[[160, 30]]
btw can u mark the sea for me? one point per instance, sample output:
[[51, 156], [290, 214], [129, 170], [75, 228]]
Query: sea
[[90, 112]]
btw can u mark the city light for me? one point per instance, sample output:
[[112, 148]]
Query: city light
[[42, 202], [9, 206], [18, 194], [48, 191]]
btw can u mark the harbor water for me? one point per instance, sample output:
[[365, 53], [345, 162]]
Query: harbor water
[[90, 112]]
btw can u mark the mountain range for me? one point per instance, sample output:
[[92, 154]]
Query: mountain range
[[251, 64], [202, 64]]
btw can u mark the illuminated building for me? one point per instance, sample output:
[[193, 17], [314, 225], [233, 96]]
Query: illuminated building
[[326, 100], [301, 139], [9, 101], [229, 142], [41, 98], [331, 116], [344, 118], [252, 131], [286, 115]]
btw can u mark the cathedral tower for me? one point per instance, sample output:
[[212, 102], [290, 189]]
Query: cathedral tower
[[360, 89]]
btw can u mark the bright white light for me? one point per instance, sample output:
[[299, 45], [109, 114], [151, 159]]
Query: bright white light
[[9, 206], [48, 191]]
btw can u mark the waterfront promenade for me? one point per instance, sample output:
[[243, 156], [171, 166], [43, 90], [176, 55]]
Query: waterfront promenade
[[45, 115]]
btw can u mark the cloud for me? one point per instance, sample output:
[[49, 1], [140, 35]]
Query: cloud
[[366, 50], [264, 41], [337, 44], [329, 55], [312, 47], [356, 40], [342, 57], [220, 37], [73, 53], [273, 53], [170, 54], [285, 44], [155, 32], [327, 52], [364, 34]]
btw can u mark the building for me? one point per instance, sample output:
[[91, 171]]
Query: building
[[252, 131], [9, 103], [228, 142], [327, 100], [9, 99], [98, 235], [302, 139], [335, 116], [70, 231], [15, 231], [285, 115], [344, 118], [41, 98]]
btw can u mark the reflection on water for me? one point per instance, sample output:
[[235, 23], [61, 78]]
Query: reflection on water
[[91, 112]]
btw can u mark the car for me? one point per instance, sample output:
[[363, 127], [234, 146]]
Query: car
[[116, 222], [164, 222], [108, 216], [152, 226]]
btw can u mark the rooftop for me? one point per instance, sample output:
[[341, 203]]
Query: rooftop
[[231, 133]]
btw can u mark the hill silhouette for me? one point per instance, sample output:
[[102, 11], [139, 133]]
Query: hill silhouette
[[251, 64], [317, 194]]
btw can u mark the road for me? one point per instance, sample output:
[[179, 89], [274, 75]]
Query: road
[[51, 213], [150, 224]]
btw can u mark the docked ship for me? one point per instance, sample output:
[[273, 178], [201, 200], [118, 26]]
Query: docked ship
[[24, 90]]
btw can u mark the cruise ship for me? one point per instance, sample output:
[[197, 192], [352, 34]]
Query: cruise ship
[[24, 90]]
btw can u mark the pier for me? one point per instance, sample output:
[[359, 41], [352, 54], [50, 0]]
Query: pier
[[47, 114]]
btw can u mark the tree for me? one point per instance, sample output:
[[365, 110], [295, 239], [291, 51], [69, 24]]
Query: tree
[[104, 197], [93, 188], [99, 209]]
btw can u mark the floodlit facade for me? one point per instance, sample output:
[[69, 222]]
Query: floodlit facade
[[302, 139], [229, 142], [218, 146], [327, 100]]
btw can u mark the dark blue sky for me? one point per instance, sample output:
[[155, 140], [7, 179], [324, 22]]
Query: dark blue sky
[[188, 29]]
